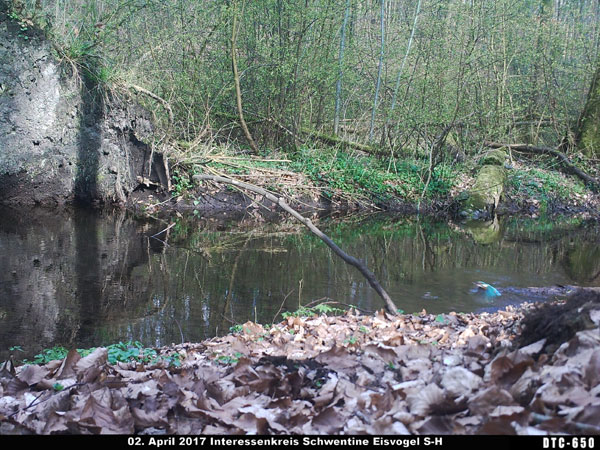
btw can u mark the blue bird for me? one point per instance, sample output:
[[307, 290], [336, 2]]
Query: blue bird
[[490, 291]]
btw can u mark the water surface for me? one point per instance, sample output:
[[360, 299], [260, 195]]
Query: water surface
[[84, 278]]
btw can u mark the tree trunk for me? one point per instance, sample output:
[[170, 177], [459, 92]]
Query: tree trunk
[[238, 90], [378, 85], [588, 132], [338, 88], [410, 41]]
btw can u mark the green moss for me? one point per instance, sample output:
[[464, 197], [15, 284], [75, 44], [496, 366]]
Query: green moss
[[589, 138], [495, 158], [488, 188]]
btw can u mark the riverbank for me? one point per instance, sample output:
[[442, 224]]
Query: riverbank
[[325, 180], [350, 374]]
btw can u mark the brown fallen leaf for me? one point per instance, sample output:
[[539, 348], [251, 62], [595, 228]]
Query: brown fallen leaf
[[98, 416], [488, 399], [261, 417], [32, 374], [88, 368], [7, 369], [592, 370], [460, 382], [425, 400], [328, 421], [55, 423], [506, 369], [337, 358], [149, 418], [317, 382], [327, 392], [67, 368], [498, 426]]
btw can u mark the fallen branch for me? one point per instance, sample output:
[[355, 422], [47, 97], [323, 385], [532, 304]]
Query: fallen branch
[[548, 151], [334, 140], [153, 96], [166, 229], [390, 306]]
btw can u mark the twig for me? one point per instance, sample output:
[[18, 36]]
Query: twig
[[282, 303], [228, 319], [155, 97], [166, 229], [46, 399], [180, 331], [160, 240]]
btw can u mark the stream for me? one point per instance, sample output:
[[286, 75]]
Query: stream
[[85, 278]]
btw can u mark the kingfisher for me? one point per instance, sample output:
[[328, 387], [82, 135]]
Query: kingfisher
[[490, 291]]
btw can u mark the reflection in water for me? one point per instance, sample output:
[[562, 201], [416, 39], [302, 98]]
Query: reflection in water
[[484, 232], [86, 279], [88, 282], [582, 263]]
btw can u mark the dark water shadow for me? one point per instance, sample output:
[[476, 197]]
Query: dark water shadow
[[87, 256]]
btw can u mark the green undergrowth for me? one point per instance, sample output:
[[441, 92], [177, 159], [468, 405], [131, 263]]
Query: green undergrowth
[[311, 311], [356, 176], [338, 174], [131, 351], [545, 185], [379, 178]]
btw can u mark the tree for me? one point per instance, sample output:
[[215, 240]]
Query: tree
[[236, 79], [381, 55], [588, 133], [338, 88]]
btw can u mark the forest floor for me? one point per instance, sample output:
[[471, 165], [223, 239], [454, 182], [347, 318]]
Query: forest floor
[[526, 370]]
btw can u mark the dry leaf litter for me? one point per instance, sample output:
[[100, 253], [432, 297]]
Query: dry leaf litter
[[350, 374]]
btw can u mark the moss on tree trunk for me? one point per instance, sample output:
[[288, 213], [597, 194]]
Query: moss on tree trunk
[[588, 138], [484, 196]]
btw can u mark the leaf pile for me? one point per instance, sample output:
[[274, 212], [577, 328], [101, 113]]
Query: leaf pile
[[365, 374]]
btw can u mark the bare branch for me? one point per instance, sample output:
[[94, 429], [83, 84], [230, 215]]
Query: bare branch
[[390, 306]]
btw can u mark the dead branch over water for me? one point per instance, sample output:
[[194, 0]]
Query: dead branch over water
[[390, 306]]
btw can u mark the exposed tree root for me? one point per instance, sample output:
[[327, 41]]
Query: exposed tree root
[[559, 322]]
